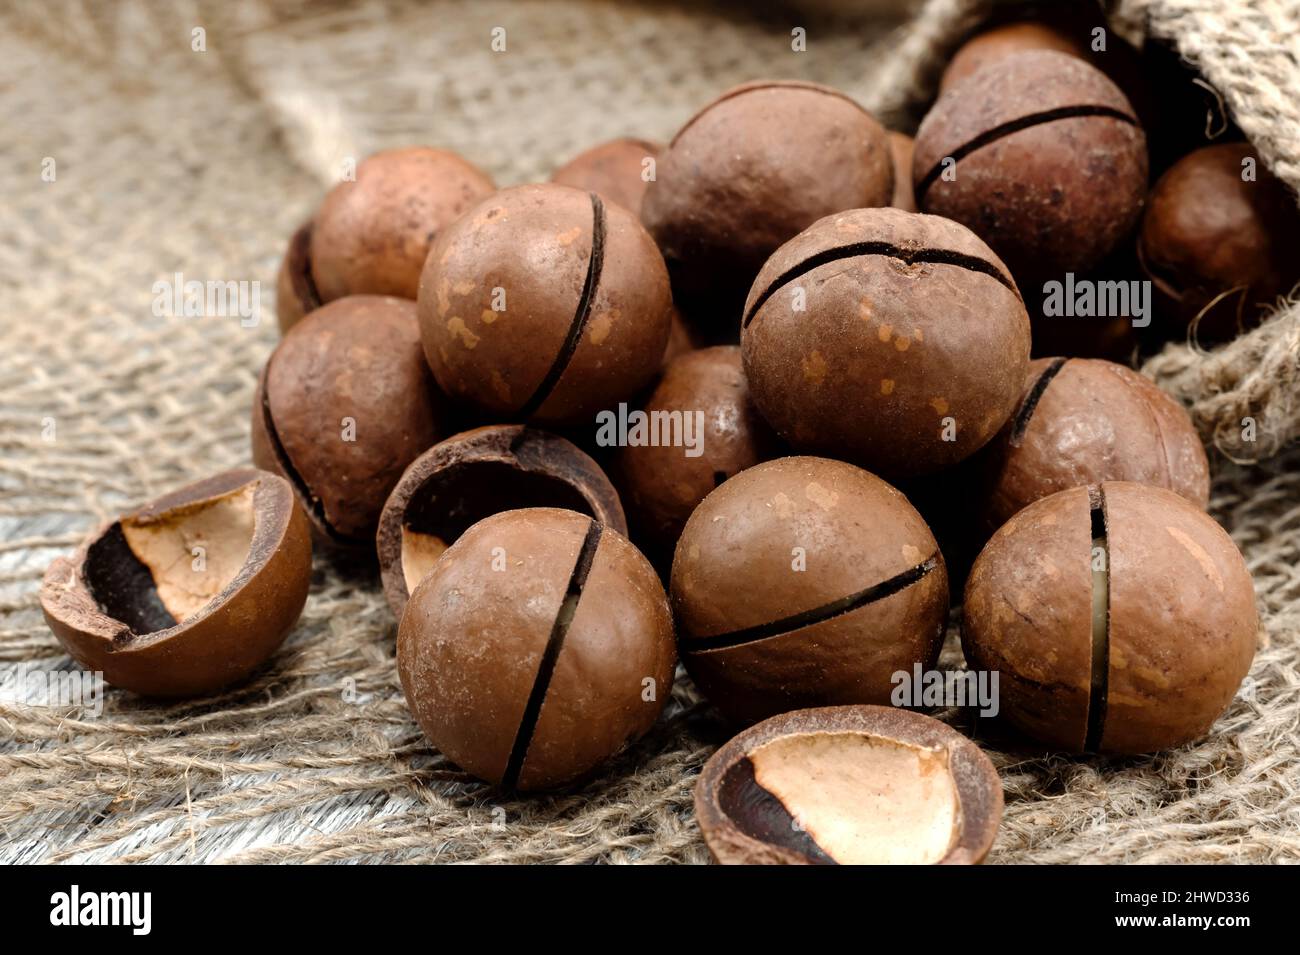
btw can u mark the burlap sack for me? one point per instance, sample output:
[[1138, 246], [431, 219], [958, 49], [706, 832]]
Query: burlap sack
[[170, 159]]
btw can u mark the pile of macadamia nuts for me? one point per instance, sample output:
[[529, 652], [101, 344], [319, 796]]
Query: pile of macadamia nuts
[[806, 372]]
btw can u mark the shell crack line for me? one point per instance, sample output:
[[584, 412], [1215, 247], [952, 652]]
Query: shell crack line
[[1030, 404], [546, 666], [836, 608], [1015, 126], [579, 324], [908, 256], [1099, 562]]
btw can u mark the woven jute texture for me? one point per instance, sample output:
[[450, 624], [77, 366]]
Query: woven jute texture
[[169, 160]]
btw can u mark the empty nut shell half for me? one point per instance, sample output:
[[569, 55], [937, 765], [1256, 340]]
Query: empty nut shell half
[[473, 475], [856, 785], [189, 593]]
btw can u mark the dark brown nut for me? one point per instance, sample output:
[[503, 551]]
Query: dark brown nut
[[721, 433], [851, 785], [805, 582], [1217, 246], [344, 404], [735, 183], [1121, 618], [1079, 30], [894, 340], [371, 235], [538, 647], [615, 171], [1111, 339], [1084, 421], [901, 148], [473, 475], [681, 339], [189, 593], [996, 44], [1042, 156], [295, 290], [546, 304]]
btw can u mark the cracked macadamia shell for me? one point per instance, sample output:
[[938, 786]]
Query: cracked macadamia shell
[[295, 290], [188, 593], [615, 170], [662, 483], [1084, 421], [748, 171], [894, 340], [853, 785], [996, 44], [371, 235], [473, 475], [344, 404], [1129, 642], [1050, 162], [805, 582], [544, 303], [539, 646]]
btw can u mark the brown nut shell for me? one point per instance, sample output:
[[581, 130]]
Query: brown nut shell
[[804, 582], [1084, 421], [1042, 156], [372, 235], [1027, 615], [662, 483], [996, 44], [1122, 619], [1183, 620], [734, 184], [613, 170], [893, 340], [901, 147], [681, 338], [849, 785], [546, 304], [136, 602], [344, 404], [1214, 243], [295, 290], [525, 653], [473, 475]]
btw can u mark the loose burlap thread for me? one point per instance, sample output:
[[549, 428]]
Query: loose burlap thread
[[172, 160]]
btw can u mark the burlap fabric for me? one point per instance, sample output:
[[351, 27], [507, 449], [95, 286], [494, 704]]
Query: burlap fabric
[[171, 160]]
